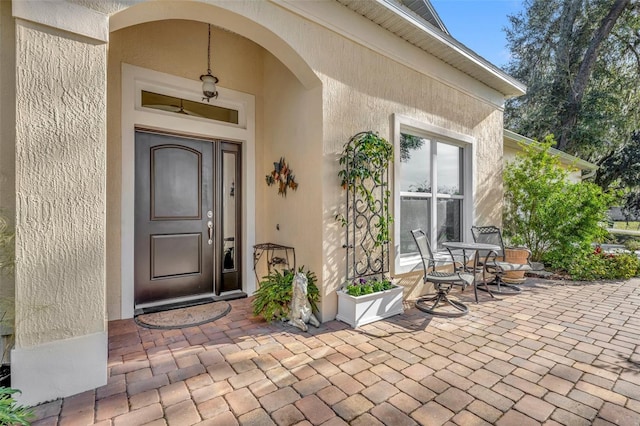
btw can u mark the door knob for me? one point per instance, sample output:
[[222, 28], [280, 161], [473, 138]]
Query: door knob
[[210, 231]]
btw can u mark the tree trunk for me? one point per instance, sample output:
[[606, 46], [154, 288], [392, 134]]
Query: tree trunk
[[569, 114]]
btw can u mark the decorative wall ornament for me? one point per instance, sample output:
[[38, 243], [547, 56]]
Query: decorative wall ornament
[[283, 176]]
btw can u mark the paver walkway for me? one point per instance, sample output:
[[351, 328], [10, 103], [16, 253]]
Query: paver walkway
[[558, 353]]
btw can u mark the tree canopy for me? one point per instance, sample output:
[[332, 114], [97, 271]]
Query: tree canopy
[[581, 62]]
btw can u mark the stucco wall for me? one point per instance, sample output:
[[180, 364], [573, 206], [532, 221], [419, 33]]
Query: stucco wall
[[7, 132], [60, 185], [179, 47], [361, 89], [293, 129], [356, 99]]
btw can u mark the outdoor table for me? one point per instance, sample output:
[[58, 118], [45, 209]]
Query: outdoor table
[[475, 247]]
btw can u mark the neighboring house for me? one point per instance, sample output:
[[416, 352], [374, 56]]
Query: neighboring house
[[579, 169], [115, 166]]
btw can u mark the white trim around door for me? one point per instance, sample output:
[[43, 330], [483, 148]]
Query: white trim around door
[[136, 79]]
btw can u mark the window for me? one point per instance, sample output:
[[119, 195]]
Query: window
[[433, 186], [187, 107]]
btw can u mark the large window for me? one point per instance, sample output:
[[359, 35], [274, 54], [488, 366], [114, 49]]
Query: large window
[[433, 180]]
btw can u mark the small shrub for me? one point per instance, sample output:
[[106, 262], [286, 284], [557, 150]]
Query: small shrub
[[362, 286], [598, 265], [10, 412], [273, 299], [632, 245]]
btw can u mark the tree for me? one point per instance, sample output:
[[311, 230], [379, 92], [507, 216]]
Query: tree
[[580, 60], [547, 213]]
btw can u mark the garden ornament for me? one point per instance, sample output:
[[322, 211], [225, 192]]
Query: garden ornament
[[300, 313]]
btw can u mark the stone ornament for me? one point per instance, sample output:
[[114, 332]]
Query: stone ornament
[[300, 313]]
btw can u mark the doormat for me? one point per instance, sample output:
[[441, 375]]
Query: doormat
[[184, 317]]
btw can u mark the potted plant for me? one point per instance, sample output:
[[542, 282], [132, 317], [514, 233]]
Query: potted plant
[[367, 295], [362, 301], [272, 300]]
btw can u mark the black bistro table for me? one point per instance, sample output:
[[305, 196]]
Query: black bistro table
[[476, 248]]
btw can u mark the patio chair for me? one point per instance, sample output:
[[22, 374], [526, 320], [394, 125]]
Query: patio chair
[[442, 281], [494, 262]]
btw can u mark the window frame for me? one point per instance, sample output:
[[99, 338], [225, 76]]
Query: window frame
[[405, 124]]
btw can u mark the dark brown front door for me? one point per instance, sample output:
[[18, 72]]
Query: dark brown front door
[[174, 217]]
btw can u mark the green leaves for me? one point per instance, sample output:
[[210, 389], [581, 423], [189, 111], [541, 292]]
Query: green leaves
[[365, 161], [273, 299], [547, 213], [581, 87], [361, 286], [10, 412]]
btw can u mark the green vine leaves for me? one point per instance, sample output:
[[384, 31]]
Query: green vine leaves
[[365, 161]]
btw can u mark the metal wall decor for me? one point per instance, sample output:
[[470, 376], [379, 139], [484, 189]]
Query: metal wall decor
[[282, 175]]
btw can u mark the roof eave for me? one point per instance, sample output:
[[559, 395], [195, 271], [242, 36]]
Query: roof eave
[[516, 87], [568, 158]]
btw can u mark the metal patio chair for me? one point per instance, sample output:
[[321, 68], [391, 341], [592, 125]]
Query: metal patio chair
[[494, 261], [442, 281]]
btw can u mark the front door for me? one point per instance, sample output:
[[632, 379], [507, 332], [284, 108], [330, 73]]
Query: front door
[[180, 203]]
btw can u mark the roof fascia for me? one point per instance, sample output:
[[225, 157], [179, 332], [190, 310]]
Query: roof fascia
[[343, 21], [448, 41], [513, 139]]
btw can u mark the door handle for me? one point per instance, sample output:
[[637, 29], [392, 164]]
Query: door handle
[[210, 231]]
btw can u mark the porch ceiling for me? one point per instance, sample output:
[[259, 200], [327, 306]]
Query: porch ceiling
[[404, 23]]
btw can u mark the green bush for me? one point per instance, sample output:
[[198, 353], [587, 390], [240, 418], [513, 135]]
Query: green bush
[[546, 212], [273, 299], [597, 265], [10, 412], [632, 245]]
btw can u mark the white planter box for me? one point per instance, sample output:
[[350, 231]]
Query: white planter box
[[357, 311]]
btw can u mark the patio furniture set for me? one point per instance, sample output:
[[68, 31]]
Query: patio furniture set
[[478, 263]]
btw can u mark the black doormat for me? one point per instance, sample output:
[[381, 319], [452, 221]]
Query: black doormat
[[170, 306], [190, 316]]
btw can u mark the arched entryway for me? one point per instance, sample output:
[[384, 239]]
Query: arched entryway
[[164, 49]]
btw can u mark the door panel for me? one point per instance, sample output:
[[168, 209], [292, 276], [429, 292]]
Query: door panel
[[175, 255], [174, 191]]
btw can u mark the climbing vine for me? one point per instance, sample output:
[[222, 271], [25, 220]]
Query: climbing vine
[[364, 175]]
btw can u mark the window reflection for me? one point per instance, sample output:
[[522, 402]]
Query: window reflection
[[422, 162], [229, 211], [449, 220], [415, 173], [414, 213], [449, 169]]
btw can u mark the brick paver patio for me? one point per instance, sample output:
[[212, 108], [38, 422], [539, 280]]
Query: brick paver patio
[[557, 353]]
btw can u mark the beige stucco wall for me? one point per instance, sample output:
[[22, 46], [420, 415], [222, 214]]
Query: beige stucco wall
[[356, 99], [361, 89], [7, 133], [293, 129], [60, 185], [176, 47]]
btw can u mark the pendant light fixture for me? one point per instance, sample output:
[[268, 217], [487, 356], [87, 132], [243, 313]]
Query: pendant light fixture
[[209, 81]]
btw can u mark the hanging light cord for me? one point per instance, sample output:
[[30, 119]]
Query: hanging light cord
[[209, 52]]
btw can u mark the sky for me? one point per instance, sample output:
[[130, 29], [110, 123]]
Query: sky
[[478, 24]]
